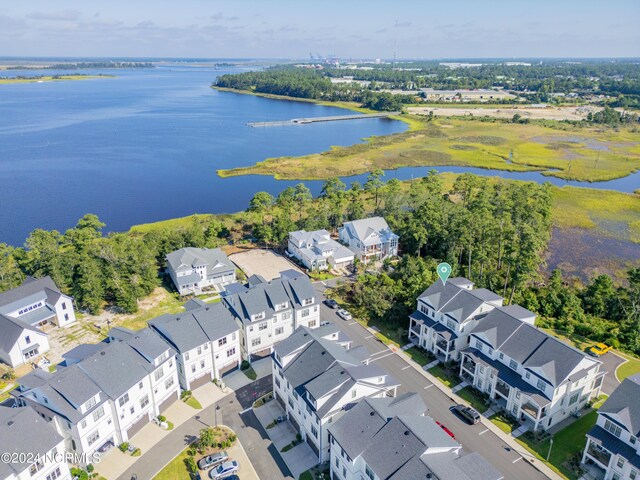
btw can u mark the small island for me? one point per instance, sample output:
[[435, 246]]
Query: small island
[[49, 78]]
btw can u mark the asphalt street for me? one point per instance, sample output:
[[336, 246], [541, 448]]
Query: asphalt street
[[474, 438]]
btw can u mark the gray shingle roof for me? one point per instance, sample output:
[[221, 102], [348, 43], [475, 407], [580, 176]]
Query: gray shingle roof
[[10, 331], [534, 349], [189, 257], [188, 330], [23, 430], [365, 230], [194, 304], [623, 404], [29, 287]]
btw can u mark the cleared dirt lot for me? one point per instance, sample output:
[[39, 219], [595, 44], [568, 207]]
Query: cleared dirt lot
[[548, 113], [262, 262]]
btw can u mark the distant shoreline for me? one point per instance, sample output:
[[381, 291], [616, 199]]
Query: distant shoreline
[[50, 78]]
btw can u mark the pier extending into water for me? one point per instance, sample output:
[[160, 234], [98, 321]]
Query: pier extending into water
[[335, 118]]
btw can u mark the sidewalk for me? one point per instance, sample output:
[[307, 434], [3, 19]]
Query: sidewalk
[[508, 439]]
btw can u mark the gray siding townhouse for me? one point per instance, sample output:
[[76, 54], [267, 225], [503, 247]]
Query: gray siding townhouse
[[318, 251], [535, 377], [22, 430], [206, 338], [194, 269], [613, 444], [391, 439], [317, 377], [446, 313], [370, 239], [268, 312], [20, 342]]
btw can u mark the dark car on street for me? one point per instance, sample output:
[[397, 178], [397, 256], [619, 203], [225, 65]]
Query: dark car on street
[[212, 460], [468, 413], [331, 303]]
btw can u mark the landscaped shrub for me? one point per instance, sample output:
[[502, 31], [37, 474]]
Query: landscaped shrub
[[185, 394], [244, 365], [162, 418], [124, 446], [79, 474], [191, 464]]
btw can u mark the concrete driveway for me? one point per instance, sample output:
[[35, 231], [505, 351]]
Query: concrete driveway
[[610, 361], [301, 457], [266, 263]]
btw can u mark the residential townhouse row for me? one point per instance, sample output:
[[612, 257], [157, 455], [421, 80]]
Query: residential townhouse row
[[534, 377], [613, 444]]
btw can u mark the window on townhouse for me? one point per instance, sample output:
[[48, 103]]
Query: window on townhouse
[[123, 399], [612, 428], [91, 439], [140, 385], [481, 369], [36, 467], [490, 351], [286, 315], [206, 346], [290, 402], [27, 339], [193, 368], [353, 393], [369, 472], [158, 374], [344, 472], [632, 440], [312, 323], [278, 382], [541, 384], [186, 355], [132, 410], [337, 462], [279, 331], [513, 365], [233, 336], [83, 423], [144, 401], [90, 403], [263, 326], [98, 414], [620, 462], [305, 313], [314, 431], [633, 474], [259, 316], [199, 350], [231, 352], [451, 325], [255, 342], [307, 301], [201, 363], [574, 398], [55, 474], [527, 375], [479, 345], [222, 341], [168, 383]]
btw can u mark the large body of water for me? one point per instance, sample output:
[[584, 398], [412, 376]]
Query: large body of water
[[145, 146]]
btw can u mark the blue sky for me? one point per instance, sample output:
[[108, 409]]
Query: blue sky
[[347, 28]]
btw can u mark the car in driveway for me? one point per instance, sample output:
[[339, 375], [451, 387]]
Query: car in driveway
[[343, 314], [468, 413], [212, 460], [331, 303], [224, 470], [446, 430], [598, 349]]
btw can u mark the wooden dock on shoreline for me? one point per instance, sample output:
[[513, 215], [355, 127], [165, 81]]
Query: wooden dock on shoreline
[[335, 118]]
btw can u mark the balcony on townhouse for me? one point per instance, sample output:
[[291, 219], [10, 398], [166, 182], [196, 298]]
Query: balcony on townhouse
[[599, 454], [503, 389], [531, 410], [469, 365], [444, 346], [414, 330]]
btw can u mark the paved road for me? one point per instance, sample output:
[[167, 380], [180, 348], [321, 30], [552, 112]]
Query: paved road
[[474, 438], [253, 438], [610, 362]]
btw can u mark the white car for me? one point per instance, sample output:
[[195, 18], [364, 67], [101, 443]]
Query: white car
[[343, 314], [224, 470]]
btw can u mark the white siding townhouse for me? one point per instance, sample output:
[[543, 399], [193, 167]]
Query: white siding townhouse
[[207, 340], [370, 239], [106, 392], [446, 313], [317, 378], [23, 310], [268, 312], [20, 342], [391, 439], [613, 444], [535, 377], [194, 269], [22, 430], [318, 251], [38, 302]]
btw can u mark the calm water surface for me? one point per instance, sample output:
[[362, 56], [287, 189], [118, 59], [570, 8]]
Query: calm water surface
[[145, 146]]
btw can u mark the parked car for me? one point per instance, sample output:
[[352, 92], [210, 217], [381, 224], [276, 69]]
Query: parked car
[[232, 477], [598, 349], [224, 470], [468, 413], [212, 460], [447, 431], [331, 303], [343, 314]]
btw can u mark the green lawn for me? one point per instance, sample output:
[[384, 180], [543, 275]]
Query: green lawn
[[628, 368], [193, 402], [474, 398], [503, 422], [419, 356], [175, 470], [443, 376]]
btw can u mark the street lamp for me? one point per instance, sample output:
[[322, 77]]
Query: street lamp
[[550, 445]]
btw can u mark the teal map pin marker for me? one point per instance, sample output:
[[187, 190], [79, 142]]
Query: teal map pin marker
[[444, 270]]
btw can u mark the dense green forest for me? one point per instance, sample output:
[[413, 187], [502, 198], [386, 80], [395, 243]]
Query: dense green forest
[[540, 82], [493, 233]]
